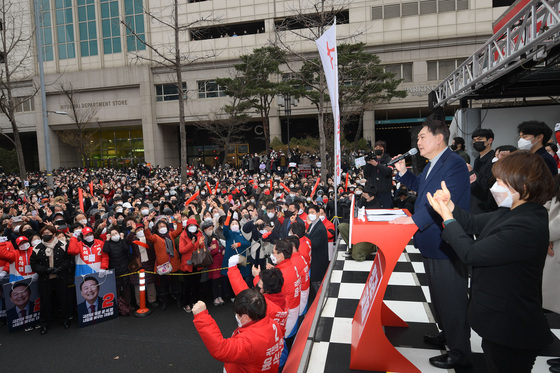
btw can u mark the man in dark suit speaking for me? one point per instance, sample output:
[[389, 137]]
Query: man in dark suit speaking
[[90, 291], [446, 274]]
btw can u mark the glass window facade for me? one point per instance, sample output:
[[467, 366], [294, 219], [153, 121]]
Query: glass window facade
[[86, 25], [110, 25], [64, 29], [169, 92], [134, 18], [209, 88], [119, 148], [46, 30]]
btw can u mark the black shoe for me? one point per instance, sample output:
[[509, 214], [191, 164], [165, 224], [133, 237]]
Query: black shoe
[[153, 305], [555, 368], [444, 361], [435, 339], [43, 330], [553, 362], [67, 324], [163, 305]]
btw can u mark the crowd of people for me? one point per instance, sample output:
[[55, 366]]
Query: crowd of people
[[268, 234]]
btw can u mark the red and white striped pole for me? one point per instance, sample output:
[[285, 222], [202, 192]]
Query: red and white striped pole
[[143, 310]]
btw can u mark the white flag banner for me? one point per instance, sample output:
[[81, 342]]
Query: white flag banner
[[327, 50]]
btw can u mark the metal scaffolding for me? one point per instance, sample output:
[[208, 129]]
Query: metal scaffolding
[[524, 41]]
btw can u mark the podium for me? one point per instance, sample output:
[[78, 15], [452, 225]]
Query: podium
[[371, 350]]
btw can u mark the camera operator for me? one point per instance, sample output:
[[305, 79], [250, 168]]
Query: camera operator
[[379, 175]]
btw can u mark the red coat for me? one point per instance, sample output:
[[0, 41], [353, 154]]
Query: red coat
[[292, 283], [305, 249], [254, 347], [303, 269], [276, 307], [217, 259], [330, 229], [186, 248]]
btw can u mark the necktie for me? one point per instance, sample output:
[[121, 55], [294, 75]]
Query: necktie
[[91, 309], [428, 169], [23, 313]]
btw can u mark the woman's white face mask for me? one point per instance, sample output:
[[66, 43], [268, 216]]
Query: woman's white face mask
[[502, 195]]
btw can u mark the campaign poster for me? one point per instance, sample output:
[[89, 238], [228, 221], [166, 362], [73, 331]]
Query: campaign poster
[[96, 298], [22, 304], [2, 303]]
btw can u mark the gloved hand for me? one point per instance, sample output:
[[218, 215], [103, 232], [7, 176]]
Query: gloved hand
[[102, 273], [35, 277], [189, 262], [51, 271], [233, 261], [57, 271], [3, 274]]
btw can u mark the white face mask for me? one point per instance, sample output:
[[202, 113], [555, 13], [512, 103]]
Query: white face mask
[[192, 228], [24, 247], [270, 214], [209, 231], [235, 228], [83, 222], [238, 321], [35, 242], [162, 230], [300, 212], [502, 195], [322, 217], [140, 234], [524, 144], [115, 238], [88, 238], [145, 212], [273, 259], [312, 217]]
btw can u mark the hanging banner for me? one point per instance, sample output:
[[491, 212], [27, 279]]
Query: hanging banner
[[22, 304], [327, 50], [96, 298]]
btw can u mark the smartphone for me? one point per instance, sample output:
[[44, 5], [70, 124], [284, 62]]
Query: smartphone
[[34, 213]]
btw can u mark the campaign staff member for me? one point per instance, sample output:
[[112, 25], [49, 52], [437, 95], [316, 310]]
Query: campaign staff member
[[20, 266], [255, 346], [88, 252], [507, 259]]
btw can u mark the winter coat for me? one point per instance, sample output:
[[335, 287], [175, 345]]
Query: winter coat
[[162, 256]]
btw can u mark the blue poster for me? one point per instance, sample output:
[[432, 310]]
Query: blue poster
[[96, 298], [22, 304]]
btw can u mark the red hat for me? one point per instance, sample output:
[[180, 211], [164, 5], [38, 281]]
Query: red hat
[[192, 222], [325, 200], [86, 230], [139, 225], [20, 239], [267, 192]]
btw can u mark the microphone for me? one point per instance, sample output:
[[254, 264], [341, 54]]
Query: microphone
[[409, 153]]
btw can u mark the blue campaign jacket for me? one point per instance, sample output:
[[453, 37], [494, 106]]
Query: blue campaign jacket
[[453, 170]]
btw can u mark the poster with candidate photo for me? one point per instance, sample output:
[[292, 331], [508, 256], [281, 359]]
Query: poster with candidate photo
[[96, 298], [2, 303], [23, 306]]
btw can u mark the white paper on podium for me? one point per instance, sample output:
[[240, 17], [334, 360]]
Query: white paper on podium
[[384, 215]]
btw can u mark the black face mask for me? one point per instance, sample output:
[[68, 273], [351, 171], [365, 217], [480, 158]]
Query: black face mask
[[378, 151], [28, 232], [60, 222], [47, 237], [479, 146], [288, 214], [453, 147]]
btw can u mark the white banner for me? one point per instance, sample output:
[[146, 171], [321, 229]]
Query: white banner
[[327, 50]]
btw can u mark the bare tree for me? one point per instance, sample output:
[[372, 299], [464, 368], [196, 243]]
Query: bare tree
[[309, 20], [16, 74], [84, 140], [175, 59]]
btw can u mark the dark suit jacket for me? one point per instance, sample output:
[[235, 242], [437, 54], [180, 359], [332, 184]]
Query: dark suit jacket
[[508, 259], [453, 170], [83, 307], [284, 229], [12, 314], [319, 252], [480, 188]]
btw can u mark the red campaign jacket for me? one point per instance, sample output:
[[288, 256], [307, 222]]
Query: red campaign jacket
[[91, 256], [254, 347], [18, 260], [330, 229], [292, 283], [276, 307], [303, 269], [305, 249], [187, 248]]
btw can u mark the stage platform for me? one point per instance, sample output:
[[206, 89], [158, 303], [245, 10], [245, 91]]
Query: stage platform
[[408, 296]]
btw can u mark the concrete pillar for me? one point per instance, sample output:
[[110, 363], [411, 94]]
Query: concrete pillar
[[275, 128], [468, 120], [153, 139], [369, 126]]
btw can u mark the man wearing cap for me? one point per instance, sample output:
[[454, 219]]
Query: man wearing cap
[[20, 268], [88, 252]]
